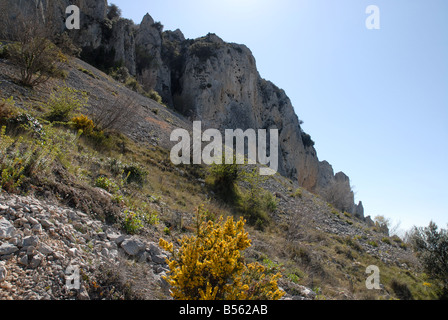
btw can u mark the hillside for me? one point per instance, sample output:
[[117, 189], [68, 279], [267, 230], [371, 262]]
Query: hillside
[[61, 218], [87, 181]]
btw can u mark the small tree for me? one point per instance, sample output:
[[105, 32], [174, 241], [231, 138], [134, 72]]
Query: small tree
[[210, 266], [431, 246], [224, 178], [255, 202], [38, 60], [32, 52]]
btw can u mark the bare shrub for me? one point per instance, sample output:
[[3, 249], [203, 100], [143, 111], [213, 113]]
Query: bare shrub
[[118, 115], [32, 51]]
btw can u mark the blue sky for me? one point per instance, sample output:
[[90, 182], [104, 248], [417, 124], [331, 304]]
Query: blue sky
[[374, 101]]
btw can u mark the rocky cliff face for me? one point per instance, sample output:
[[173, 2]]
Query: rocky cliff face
[[205, 79], [218, 84]]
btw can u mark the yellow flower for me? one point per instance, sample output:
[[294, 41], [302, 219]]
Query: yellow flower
[[209, 265]]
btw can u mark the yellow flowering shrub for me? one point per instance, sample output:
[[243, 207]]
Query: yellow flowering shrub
[[83, 123], [209, 264]]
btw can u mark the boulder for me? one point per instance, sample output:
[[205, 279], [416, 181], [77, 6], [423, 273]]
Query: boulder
[[30, 241], [7, 248], [154, 249], [7, 230], [159, 259], [35, 261], [133, 246]]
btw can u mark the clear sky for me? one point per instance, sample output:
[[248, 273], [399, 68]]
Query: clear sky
[[374, 101]]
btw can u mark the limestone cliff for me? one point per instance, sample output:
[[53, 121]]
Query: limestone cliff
[[204, 79]]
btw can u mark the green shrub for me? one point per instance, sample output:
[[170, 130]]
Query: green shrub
[[253, 204], [154, 95], [386, 240], [12, 164], [132, 223], [372, 243], [431, 246], [19, 159], [120, 74], [113, 12], [223, 178], [87, 72], [116, 166], [397, 239], [133, 84], [143, 58], [3, 52], [106, 184], [38, 60], [270, 201], [6, 108], [135, 173], [65, 101], [99, 139], [401, 290], [297, 193]]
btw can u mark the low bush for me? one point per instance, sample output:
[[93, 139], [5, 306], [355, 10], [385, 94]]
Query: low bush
[[223, 178], [83, 123], [401, 290], [135, 173], [20, 159], [154, 95], [255, 202], [132, 223], [6, 108], [106, 184], [210, 266], [372, 243], [65, 101]]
